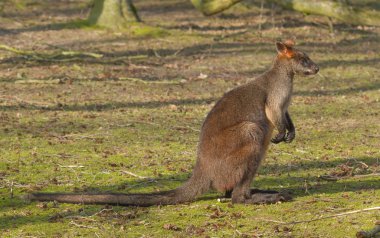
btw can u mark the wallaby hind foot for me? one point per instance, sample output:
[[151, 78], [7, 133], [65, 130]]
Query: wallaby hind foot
[[268, 196], [258, 196]]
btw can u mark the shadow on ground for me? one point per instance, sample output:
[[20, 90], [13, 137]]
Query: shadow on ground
[[263, 182]]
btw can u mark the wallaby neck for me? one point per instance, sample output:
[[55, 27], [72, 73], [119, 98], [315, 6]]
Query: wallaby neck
[[283, 69]]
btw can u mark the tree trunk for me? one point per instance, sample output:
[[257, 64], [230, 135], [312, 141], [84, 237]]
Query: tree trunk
[[114, 14], [332, 8], [211, 7]]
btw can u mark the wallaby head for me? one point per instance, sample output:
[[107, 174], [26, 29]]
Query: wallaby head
[[299, 62]]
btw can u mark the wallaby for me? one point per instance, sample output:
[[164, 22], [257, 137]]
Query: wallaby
[[233, 141]]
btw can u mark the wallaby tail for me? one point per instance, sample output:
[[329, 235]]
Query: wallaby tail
[[194, 187]]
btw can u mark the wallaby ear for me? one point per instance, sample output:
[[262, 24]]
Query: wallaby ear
[[285, 49], [289, 43], [281, 47]]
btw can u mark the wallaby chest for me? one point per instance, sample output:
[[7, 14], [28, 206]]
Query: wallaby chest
[[278, 97]]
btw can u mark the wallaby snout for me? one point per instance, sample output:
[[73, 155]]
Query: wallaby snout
[[312, 70], [303, 65], [316, 69]]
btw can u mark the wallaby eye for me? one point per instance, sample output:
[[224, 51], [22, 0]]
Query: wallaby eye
[[304, 62]]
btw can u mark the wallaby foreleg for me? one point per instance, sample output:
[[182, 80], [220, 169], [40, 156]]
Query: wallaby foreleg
[[281, 124], [284, 123], [291, 134]]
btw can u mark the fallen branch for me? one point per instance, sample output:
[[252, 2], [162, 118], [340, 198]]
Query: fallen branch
[[56, 56], [323, 217]]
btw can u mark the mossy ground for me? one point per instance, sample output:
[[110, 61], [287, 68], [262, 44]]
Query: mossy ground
[[140, 107]]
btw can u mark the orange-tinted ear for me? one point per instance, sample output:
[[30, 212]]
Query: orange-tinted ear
[[285, 49], [289, 43]]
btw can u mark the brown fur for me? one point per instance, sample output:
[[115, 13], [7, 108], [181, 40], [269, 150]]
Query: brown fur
[[233, 141]]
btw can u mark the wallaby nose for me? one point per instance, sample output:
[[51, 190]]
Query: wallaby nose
[[316, 68]]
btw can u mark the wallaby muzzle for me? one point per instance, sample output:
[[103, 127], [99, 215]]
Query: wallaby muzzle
[[312, 70]]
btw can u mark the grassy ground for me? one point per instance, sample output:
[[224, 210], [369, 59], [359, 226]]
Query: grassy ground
[[83, 124]]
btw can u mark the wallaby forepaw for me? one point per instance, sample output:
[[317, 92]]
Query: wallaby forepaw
[[278, 138], [290, 137]]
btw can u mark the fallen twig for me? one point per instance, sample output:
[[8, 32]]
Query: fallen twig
[[336, 178], [270, 220], [71, 166], [89, 218], [101, 211], [81, 226], [39, 81], [81, 218], [79, 136], [373, 136], [134, 175], [11, 184], [218, 38], [137, 80], [322, 76], [185, 128], [140, 184], [131, 123], [11, 189], [328, 177]]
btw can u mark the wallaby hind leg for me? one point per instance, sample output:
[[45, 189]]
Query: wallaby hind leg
[[241, 193], [256, 196], [228, 194]]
